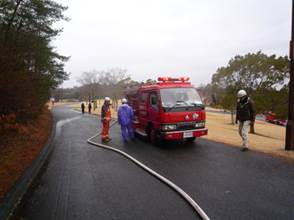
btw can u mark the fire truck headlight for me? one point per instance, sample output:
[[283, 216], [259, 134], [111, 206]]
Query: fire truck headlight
[[200, 125], [168, 127]]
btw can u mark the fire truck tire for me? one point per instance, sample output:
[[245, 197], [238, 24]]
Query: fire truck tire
[[153, 136], [191, 140]]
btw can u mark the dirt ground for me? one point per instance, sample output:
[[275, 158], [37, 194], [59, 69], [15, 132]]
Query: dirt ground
[[97, 111], [269, 138]]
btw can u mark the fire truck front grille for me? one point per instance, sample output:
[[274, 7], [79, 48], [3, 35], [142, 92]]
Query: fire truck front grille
[[186, 125]]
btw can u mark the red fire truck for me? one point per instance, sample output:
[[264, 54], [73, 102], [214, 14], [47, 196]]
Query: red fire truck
[[272, 118], [170, 109]]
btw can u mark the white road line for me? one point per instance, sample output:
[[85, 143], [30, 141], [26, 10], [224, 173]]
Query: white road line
[[194, 205]]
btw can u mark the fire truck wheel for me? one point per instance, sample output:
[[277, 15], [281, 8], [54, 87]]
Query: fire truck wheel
[[191, 140], [153, 136]]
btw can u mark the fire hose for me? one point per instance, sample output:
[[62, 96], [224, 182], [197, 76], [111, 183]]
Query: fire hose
[[177, 189]]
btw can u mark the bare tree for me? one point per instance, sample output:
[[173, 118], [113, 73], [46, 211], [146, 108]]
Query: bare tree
[[98, 84], [112, 76], [113, 82], [89, 81]]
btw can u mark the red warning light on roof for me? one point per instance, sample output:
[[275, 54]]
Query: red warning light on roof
[[169, 79], [164, 78], [184, 78]]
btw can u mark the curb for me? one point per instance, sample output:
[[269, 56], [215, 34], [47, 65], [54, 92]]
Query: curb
[[15, 195]]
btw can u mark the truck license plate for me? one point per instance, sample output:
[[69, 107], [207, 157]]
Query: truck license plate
[[188, 134]]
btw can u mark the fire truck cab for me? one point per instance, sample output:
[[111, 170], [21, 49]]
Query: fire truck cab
[[170, 109]]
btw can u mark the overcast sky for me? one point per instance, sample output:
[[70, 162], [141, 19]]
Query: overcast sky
[[151, 38]]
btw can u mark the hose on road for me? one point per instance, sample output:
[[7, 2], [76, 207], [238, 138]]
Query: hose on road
[[182, 193]]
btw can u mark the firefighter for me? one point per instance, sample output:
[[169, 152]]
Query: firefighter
[[89, 107], [83, 107], [245, 115], [105, 119], [125, 119]]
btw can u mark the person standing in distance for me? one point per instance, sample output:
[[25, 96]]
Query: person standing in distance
[[125, 119], [89, 107], [245, 115], [105, 119], [83, 107]]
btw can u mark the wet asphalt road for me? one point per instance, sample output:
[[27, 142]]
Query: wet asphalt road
[[81, 181]]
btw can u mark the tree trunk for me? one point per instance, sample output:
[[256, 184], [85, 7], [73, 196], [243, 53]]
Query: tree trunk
[[12, 18], [252, 130], [232, 117]]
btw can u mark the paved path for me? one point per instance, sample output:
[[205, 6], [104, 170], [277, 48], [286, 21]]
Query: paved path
[[81, 181]]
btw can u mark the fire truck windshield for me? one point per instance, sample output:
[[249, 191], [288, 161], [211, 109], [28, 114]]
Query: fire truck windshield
[[179, 97]]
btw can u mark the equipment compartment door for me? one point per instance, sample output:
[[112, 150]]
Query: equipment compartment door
[[143, 103]]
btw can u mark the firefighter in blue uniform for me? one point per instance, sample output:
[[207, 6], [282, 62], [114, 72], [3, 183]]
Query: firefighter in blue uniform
[[125, 119]]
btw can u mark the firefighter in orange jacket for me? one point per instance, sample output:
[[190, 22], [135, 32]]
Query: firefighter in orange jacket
[[105, 119]]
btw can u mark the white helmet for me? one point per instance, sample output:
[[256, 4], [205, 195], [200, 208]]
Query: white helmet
[[241, 93], [107, 99], [124, 101]]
